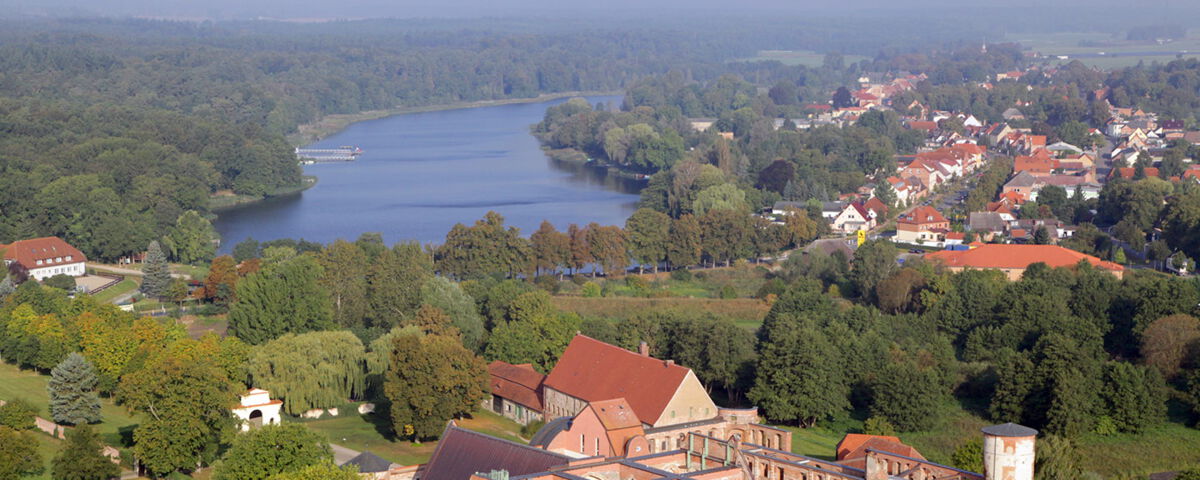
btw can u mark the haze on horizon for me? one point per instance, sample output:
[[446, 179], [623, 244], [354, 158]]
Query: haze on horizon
[[360, 9]]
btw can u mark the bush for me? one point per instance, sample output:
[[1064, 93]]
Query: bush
[[548, 283], [701, 275], [728, 293], [60, 281], [591, 290], [530, 429], [18, 414], [773, 286], [879, 426], [681, 275], [1105, 426], [968, 456], [580, 279], [639, 285]]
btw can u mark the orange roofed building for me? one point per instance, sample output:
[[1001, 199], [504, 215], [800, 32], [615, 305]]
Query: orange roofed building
[[660, 392], [45, 257], [516, 391], [1014, 259], [923, 224], [607, 428]]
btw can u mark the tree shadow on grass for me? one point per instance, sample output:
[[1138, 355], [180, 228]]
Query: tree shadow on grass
[[381, 419]]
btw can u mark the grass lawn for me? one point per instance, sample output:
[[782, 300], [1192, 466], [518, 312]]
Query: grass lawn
[[125, 286], [1076, 43], [366, 432], [28, 384]]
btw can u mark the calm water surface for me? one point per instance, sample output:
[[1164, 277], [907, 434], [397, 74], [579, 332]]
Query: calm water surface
[[422, 173]]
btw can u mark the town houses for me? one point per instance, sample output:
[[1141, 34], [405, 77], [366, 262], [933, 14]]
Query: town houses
[[45, 257]]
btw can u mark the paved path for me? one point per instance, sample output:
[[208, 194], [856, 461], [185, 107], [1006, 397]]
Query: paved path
[[342, 454]]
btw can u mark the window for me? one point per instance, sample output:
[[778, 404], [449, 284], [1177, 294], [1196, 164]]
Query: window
[[68, 258], [57, 259], [597, 445], [672, 414], [39, 262], [582, 444]]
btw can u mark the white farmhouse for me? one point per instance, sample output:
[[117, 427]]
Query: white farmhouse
[[42, 258]]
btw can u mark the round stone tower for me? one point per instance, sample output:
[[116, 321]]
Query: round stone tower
[[1008, 452]]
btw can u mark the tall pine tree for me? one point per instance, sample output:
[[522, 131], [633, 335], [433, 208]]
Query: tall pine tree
[[72, 388], [156, 274], [80, 458]]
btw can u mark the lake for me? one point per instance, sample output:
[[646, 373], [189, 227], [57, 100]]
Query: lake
[[421, 173]]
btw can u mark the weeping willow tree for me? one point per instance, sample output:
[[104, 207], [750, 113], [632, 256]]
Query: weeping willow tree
[[311, 370]]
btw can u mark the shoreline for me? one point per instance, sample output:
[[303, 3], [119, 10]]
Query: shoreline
[[332, 124], [239, 201]]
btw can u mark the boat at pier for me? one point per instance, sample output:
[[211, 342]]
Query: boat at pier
[[344, 153]]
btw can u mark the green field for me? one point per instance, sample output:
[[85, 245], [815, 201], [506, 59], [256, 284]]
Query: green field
[[364, 433], [116, 422], [125, 286], [1070, 44], [807, 58]]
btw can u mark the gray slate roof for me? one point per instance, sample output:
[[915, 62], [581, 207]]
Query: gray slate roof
[[986, 222], [1009, 430], [368, 462]]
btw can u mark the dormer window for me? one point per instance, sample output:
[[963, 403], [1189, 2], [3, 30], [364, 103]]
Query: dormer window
[[39, 262], [69, 257], [57, 259]]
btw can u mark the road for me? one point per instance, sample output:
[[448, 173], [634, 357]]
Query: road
[[342, 454]]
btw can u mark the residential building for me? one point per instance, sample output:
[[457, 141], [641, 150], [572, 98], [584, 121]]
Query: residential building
[[45, 257], [1013, 259], [922, 225], [853, 217], [516, 392]]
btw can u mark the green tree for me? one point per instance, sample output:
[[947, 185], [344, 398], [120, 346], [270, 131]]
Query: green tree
[[394, 283], [191, 240], [72, 389], [431, 379], [80, 458], [607, 245], [18, 414], [310, 370], [907, 395], [1057, 459], [551, 249], [271, 450], [1169, 342], [968, 456], [648, 233], [324, 470], [220, 285], [799, 378], [1134, 396], [1181, 223], [725, 235], [281, 298], [156, 274], [1014, 383], [18, 454], [535, 332], [485, 248], [874, 261], [1041, 236], [725, 196], [246, 250], [344, 269], [449, 297], [1189, 474], [684, 248], [186, 402]]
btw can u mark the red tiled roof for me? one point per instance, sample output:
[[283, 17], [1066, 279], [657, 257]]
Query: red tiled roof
[[615, 414], [519, 383], [592, 370], [461, 453], [50, 250], [1129, 172], [922, 215], [852, 442], [1018, 256]]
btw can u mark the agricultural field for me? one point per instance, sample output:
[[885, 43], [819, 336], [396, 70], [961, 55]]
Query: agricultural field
[[1118, 52]]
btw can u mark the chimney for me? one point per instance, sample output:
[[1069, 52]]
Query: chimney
[[644, 349], [668, 362]]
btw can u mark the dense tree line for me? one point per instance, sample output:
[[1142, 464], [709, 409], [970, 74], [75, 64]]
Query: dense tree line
[[1068, 351]]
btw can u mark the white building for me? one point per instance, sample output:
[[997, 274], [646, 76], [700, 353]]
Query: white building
[[42, 258], [257, 409]]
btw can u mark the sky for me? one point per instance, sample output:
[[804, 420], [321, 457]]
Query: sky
[[353, 9]]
